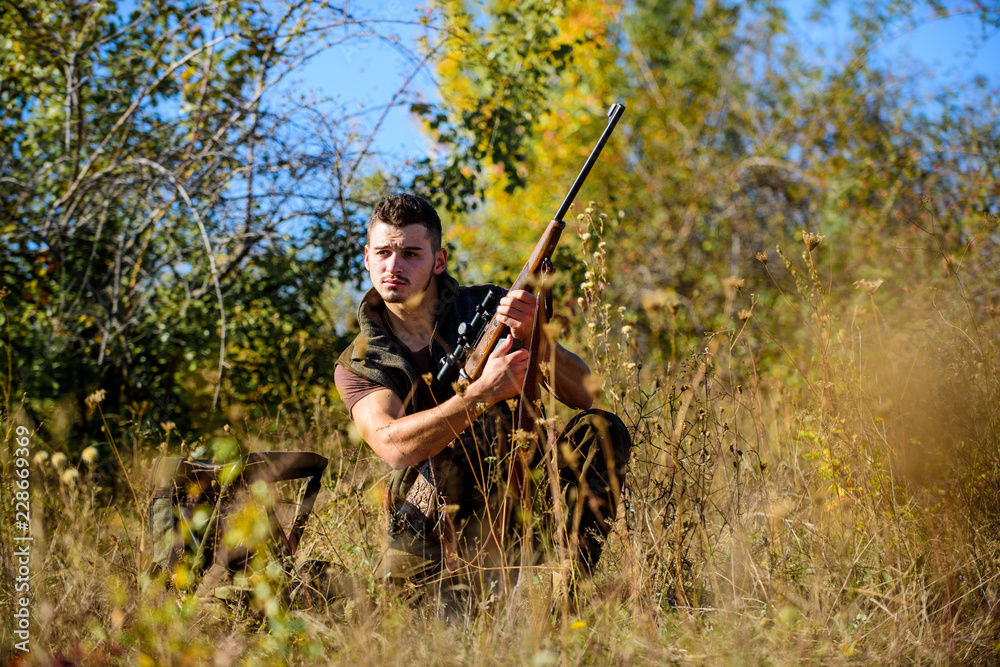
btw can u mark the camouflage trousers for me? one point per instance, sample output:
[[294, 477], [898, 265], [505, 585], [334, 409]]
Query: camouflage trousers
[[482, 534]]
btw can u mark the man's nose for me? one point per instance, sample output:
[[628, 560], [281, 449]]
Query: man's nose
[[394, 265]]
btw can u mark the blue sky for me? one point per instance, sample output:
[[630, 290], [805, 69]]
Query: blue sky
[[365, 73], [949, 48]]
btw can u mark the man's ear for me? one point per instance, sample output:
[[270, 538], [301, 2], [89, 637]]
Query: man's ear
[[440, 260], [367, 268]]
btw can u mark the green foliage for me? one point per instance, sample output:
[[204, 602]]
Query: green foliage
[[505, 65], [731, 144], [152, 179]]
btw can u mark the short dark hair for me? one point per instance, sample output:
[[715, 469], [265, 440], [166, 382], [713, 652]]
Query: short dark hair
[[403, 210]]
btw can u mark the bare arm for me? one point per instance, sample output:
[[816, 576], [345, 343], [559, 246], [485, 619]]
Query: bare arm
[[402, 440]]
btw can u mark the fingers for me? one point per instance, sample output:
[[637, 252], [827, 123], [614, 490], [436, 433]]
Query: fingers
[[517, 311], [505, 371], [503, 347], [515, 366], [518, 302], [503, 350], [519, 295]]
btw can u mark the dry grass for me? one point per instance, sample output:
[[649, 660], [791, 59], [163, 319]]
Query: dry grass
[[834, 503]]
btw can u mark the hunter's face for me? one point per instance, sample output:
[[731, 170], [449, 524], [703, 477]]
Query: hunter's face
[[402, 262]]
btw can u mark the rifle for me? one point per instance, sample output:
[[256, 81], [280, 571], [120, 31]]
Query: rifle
[[486, 338]]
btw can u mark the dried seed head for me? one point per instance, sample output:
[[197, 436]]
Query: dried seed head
[[89, 455], [812, 240], [762, 257], [869, 286], [95, 399], [744, 315], [733, 284]]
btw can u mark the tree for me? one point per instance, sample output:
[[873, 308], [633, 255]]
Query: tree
[[732, 143], [153, 175]]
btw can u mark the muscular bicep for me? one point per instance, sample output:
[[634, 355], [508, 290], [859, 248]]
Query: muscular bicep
[[373, 413], [570, 380]]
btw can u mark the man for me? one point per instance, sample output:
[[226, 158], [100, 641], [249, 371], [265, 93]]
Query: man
[[446, 491]]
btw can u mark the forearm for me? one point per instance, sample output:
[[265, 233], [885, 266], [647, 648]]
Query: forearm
[[403, 440], [413, 438]]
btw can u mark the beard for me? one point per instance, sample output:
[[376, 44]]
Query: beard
[[394, 297]]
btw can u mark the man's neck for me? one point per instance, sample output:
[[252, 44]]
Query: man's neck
[[413, 323]]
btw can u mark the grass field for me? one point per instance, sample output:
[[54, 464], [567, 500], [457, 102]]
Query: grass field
[[830, 496]]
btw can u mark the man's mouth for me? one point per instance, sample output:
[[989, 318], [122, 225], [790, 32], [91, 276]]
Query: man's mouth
[[394, 282]]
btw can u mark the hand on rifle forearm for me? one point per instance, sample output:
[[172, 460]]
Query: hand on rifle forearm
[[517, 311], [502, 376]]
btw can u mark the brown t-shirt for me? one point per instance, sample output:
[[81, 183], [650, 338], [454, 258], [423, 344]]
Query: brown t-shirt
[[353, 388]]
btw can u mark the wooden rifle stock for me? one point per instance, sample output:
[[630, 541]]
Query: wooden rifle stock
[[527, 278]]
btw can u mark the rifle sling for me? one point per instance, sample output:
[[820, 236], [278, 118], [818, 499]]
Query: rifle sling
[[527, 411], [519, 485]]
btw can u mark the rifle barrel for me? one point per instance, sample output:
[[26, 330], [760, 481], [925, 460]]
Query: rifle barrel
[[614, 113]]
